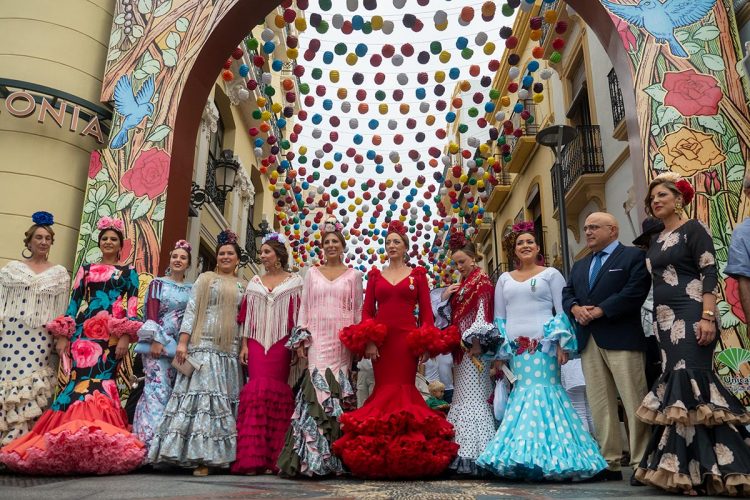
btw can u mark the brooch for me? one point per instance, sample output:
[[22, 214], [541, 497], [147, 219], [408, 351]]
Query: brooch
[[411, 283], [533, 284]]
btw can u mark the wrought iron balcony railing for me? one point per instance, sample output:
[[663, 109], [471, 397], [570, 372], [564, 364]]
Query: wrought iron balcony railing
[[582, 156]]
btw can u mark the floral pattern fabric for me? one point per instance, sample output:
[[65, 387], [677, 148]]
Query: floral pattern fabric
[[700, 441], [165, 307]]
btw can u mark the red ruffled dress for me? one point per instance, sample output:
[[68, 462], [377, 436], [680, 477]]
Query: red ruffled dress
[[395, 434]]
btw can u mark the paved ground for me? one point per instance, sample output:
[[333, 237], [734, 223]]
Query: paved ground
[[184, 486]]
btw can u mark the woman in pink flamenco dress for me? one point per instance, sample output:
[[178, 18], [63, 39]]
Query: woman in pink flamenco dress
[[266, 401], [331, 300], [86, 431], [395, 434]]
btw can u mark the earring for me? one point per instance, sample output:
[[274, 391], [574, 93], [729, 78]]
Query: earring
[[277, 265], [168, 271], [678, 208], [23, 253]]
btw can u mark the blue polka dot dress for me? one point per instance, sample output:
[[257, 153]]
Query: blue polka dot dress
[[541, 435], [27, 301]]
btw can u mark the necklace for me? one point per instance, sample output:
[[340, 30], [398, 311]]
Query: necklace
[[533, 284]]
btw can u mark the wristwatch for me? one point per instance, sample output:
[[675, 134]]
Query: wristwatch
[[708, 313]]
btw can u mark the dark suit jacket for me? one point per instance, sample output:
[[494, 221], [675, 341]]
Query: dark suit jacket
[[619, 289]]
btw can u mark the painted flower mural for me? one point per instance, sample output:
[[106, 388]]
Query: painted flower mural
[[732, 291], [692, 93], [687, 151], [149, 174], [95, 164]]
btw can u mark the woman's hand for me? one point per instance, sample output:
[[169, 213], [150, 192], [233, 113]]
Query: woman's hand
[[562, 356], [371, 351], [423, 358], [181, 353], [62, 346], [302, 352], [706, 331], [156, 349], [243, 354], [122, 347], [450, 291]]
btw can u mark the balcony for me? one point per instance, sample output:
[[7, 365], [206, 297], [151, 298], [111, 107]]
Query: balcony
[[618, 107], [521, 147], [484, 229], [582, 173], [500, 192], [548, 32]]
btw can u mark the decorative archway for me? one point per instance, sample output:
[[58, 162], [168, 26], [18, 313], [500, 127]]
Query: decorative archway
[[687, 112]]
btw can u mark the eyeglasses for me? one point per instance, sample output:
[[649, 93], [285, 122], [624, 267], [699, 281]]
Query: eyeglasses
[[594, 227]]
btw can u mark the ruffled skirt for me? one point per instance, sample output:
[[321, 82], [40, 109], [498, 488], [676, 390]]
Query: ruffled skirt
[[315, 426], [700, 441], [160, 376], [90, 437], [541, 436], [199, 426]]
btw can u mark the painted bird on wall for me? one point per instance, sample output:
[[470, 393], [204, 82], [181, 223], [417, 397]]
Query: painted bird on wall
[[132, 107], [660, 19]]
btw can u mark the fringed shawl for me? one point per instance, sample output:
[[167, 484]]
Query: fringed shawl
[[227, 305], [473, 301], [41, 297], [270, 313]]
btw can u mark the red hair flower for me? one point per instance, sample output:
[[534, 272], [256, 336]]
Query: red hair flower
[[396, 226], [687, 191]]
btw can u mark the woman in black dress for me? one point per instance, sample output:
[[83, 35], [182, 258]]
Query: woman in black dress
[[699, 445]]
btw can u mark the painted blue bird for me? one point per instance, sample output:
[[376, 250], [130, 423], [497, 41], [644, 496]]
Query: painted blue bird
[[132, 107], [660, 19]]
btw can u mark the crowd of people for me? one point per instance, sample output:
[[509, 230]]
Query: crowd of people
[[523, 379]]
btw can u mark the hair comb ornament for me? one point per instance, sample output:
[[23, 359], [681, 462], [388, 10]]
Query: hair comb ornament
[[227, 237], [523, 227], [43, 218], [274, 237], [396, 226], [682, 185], [332, 226], [183, 245], [456, 241], [111, 223]]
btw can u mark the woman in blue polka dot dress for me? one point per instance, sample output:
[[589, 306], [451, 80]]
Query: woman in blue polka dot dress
[[541, 436]]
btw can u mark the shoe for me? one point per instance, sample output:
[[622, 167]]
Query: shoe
[[201, 471], [634, 481], [607, 475]]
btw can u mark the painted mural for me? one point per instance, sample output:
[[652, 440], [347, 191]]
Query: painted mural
[[693, 116]]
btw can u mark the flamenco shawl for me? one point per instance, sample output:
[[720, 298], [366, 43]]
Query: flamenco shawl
[[471, 313], [267, 316], [90, 437]]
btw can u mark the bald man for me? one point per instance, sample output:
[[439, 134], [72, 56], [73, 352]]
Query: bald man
[[604, 295]]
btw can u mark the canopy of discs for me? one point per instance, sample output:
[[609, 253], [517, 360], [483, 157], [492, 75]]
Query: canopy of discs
[[391, 103]]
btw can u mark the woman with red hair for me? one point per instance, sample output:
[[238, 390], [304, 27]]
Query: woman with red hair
[[395, 434]]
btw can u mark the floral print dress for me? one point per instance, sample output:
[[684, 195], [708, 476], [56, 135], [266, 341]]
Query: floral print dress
[[86, 422], [700, 441], [165, 307]]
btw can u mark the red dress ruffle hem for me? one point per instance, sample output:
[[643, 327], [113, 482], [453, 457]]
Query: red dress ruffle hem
[[265, 411], [90, 437], [395, 434]]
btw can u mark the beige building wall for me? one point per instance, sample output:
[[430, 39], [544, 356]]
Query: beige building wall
[[61, 45]]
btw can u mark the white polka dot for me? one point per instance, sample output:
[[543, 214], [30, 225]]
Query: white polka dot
[[527, 369], [569, 435], [552, 380], [537, 361], [566, 404], [526, 356], [528, 382], [521, 427], [541, 435], [519, 377], [518, 407], [531, 435], [537, 374]]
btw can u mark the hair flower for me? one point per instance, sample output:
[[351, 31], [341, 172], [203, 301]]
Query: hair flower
[[183, 245], [332, 226], [523, 227], [227, 237], [686, 189], [275, 237], [111, 223], [456, 241], [42, 218], [396, 226]]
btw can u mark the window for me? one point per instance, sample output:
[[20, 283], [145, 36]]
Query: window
[[535, 210], [215, 146], [206, 259]]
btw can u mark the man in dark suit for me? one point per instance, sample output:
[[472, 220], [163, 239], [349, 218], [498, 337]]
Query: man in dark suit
[[604, 295]]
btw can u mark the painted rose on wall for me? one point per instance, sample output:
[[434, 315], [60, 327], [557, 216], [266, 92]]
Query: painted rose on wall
[[732, 292], [95, 164], [692, 93], [687, 151], [149, 174]]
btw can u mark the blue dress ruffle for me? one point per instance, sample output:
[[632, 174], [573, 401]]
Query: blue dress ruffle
[[541, 435]]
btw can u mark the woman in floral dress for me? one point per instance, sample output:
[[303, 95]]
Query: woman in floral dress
[[700, 444], [86, 421], [469, 306], [32, 292], [165, 304], [331, 300]]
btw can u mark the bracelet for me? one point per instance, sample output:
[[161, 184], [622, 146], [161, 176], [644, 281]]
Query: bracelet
[[712, 320]]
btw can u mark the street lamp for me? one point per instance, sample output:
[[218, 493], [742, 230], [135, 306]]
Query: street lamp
[[556, 137], [225, 171]]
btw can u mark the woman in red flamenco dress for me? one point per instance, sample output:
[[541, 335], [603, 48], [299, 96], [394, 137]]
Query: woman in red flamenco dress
[[395, 434]]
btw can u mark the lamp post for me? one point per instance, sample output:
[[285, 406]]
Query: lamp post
[[556, 137], [225, 171]]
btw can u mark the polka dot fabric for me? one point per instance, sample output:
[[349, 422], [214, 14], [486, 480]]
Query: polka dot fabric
[[541, 436]]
